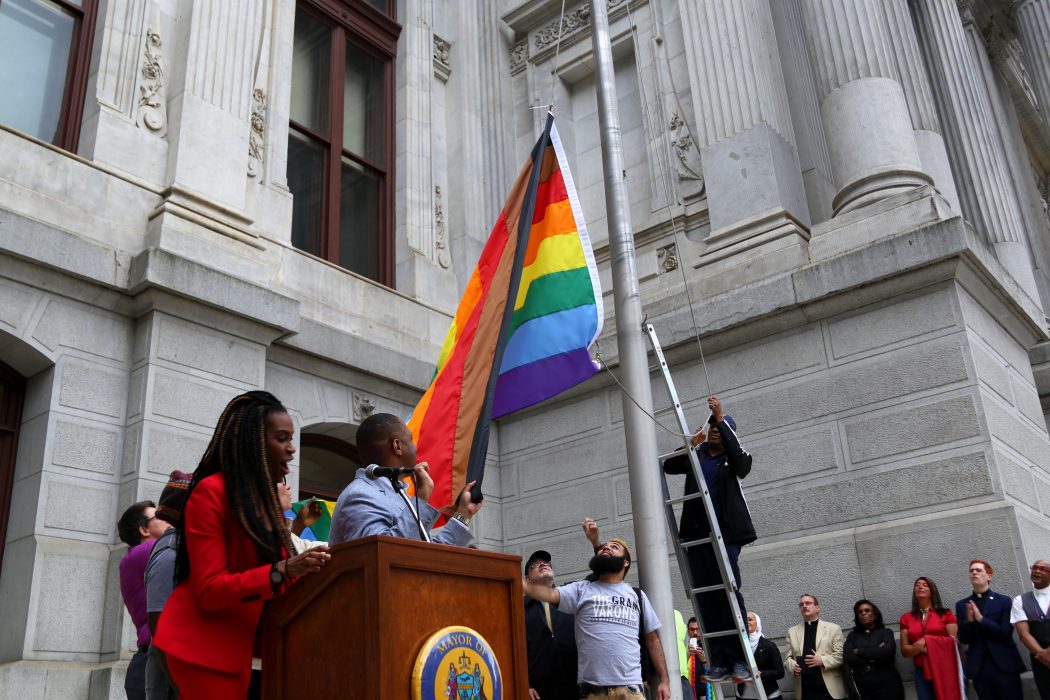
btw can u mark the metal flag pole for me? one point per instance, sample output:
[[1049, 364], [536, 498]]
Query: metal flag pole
[[650, 534]]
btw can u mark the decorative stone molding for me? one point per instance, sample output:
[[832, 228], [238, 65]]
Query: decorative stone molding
[[519, 56], [440, 233], [667, 258], [257, 137], [571, 23], [364, 406], [688, 157], [442, 63], [152, 105]]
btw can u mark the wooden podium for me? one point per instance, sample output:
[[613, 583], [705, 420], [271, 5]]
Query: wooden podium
[[354, 630]]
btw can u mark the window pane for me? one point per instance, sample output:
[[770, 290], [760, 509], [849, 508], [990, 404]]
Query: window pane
[[310, 63], [359, 220], [363, 105], [306, 181], [35, 37], [381, 5]]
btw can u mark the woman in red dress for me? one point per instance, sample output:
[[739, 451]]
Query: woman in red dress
[[234, 550], [929, 635]]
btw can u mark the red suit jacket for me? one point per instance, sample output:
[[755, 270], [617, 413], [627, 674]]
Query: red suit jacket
[[211, 617]]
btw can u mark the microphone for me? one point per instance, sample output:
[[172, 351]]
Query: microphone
[[374, 471]]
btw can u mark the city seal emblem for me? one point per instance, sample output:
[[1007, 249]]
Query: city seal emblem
[[456, 663]]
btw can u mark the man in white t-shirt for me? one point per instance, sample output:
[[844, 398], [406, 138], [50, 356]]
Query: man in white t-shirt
[[612, 622], [1030, 616]]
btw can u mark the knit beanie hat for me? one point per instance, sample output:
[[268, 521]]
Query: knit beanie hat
[[173, 498]]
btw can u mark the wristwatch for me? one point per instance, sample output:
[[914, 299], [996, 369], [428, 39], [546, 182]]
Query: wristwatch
[[277, 579], [465, 519]]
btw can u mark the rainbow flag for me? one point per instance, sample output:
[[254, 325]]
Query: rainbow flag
[[500, 357]]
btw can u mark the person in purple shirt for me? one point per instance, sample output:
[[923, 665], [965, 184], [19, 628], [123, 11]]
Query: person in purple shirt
[[138, 527]]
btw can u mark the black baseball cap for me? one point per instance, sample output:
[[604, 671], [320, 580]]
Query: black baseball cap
[[538, 555]]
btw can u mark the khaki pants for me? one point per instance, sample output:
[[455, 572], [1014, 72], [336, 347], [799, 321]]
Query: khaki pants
[[619, 692]]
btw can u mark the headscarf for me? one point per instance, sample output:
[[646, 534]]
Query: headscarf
[[753, 637]]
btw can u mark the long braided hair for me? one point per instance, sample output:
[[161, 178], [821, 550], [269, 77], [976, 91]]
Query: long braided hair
[[238, 450]]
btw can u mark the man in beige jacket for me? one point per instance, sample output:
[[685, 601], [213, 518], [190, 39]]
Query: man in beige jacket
[[815, 654]]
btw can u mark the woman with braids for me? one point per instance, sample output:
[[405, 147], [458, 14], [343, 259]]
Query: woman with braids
[[234, 553]]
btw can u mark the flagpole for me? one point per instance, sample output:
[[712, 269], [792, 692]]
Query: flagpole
[[650, 531]]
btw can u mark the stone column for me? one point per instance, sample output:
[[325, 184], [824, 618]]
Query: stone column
[[862, 103], [986, 196], [923, 110], [1032, 19], [755, 190]]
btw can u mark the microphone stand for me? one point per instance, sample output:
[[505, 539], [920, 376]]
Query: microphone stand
[[399, 487]]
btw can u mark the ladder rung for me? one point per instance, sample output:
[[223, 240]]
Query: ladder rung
[[695, 543], [679, 451], [664, 411], [709, 589], [682, 499], [723, 633]]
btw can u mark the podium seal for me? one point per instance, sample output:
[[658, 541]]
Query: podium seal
[[456, 663]]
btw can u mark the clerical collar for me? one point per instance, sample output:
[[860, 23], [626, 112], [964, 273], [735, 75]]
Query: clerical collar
[[980, 595], [812, 622]]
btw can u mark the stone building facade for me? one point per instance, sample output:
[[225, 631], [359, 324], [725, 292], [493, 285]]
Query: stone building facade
[[847, 199]]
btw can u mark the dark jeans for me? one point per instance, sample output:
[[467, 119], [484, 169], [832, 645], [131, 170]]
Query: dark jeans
[[996, 685], [159, 685], [135, 680], [923, 687], [715, 613], [687, 690]]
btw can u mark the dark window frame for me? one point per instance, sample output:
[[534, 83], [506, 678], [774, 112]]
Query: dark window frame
[[332, 444], [10, 422], [375, 33]]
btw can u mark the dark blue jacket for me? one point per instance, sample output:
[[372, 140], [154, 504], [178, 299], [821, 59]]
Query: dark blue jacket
[[990, 641]]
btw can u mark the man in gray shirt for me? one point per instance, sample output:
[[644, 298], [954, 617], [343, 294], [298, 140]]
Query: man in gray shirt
[[611, 623]]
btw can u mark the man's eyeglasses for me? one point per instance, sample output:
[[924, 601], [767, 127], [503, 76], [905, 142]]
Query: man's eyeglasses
[[538, 564]]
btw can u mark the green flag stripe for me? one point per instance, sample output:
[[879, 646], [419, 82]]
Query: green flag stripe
[[557, 291]]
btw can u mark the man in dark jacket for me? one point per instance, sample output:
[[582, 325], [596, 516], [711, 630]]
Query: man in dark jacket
[[992, 662], [723, 463], [550, 639]]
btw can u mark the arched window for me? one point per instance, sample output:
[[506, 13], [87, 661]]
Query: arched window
[[12, 391], [326, 465]]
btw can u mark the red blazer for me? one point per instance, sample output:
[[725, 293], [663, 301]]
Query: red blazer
[[210, 618]]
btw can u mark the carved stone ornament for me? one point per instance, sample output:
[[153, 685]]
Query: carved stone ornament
[[364, 406], [573, 22], [519, 56], [152, 105], [441, 51], [257, 136], [686, 154], [440, 234], [667, 258]]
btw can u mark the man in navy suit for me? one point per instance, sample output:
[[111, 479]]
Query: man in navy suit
[[992, 661]]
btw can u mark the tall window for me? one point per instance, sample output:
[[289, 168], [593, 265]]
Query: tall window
[[45, 51], [341, 145], [12, 388]]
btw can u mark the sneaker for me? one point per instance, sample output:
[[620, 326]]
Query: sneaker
[[716, 675], [741, 673]]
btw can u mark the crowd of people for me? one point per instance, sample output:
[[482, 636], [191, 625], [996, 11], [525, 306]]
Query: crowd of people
[[203, 561]]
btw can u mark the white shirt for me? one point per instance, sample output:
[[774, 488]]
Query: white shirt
[[1042, 597]]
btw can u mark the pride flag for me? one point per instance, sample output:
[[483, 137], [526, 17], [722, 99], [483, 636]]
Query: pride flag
[[500, 357]]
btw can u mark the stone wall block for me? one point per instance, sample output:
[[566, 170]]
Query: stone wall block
[[561, 463], [557, 509], [773, 580], [890, 323], [91, 387], [16, 583], [196, 348], [959, 477], [996, 338], [64, 325], [1026, 439], [1026, 398], [114, 614], [70, 596], [552, 424], [19, 302], [337, 402], [137, 390], [1017, 481], [1035, 539], [80, 506], [80, 444], [32, 447], [296, 390], [991, 370], [797, 453], [179, 397], [25, 514], [168, 448], [918, 427], [930, 365], [890, 559]]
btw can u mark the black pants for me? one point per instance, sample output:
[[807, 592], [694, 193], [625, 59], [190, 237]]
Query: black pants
[[993, 684], [1042, 678], [135, 680], [715, 612]]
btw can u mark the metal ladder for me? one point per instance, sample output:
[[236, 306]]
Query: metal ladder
[[728, 584]]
